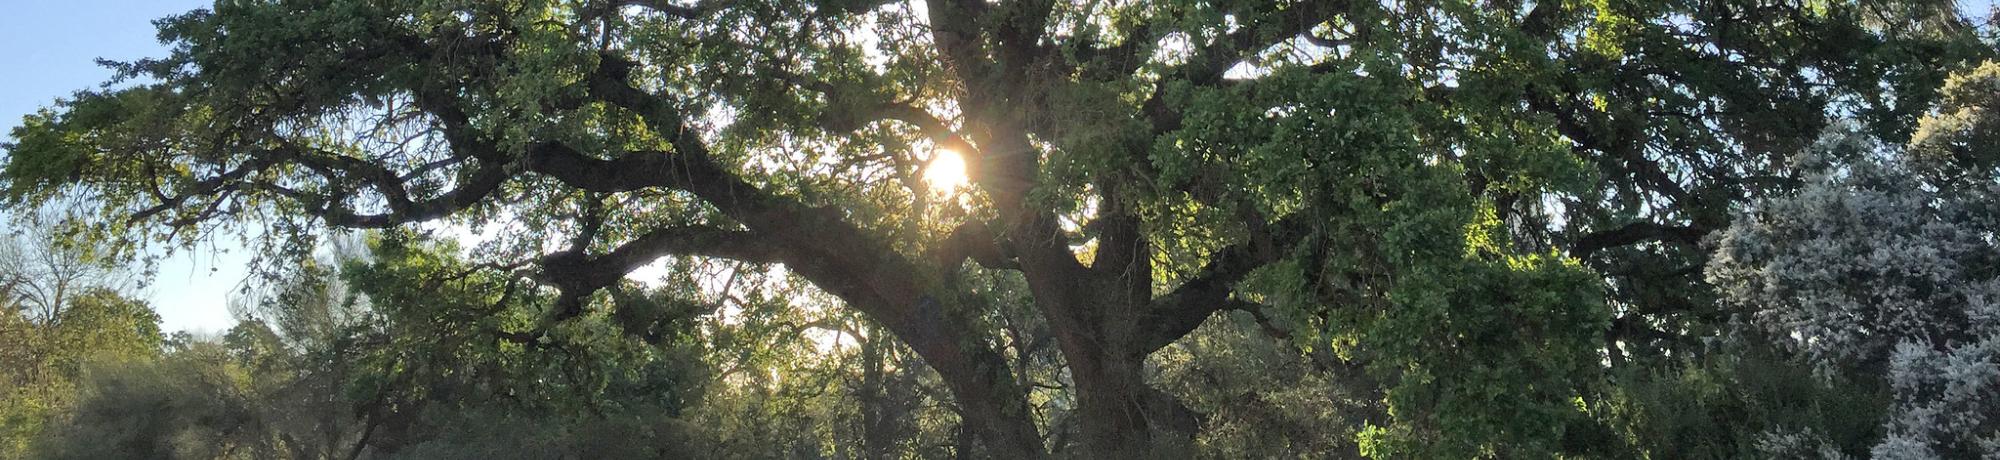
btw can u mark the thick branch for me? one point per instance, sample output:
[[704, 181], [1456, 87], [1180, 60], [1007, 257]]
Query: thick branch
[[818, 244], [576, 271], [1019, 34], [578, 275], [955, 31], [667, 7], [972, 240], [1177, 313], [1634, 233]]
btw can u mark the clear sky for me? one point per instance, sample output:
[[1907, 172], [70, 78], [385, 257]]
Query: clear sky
[[47, 51]]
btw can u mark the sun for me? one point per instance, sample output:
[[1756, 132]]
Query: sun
[[946, 172]]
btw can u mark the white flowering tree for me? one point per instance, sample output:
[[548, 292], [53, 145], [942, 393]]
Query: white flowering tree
[[1886, 262]]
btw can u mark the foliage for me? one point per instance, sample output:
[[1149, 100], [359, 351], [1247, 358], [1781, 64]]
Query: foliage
[[1461, 229], [43, 267], [195, 403], [1746, 403], [404, 379], [70, 320], [1878, 268]]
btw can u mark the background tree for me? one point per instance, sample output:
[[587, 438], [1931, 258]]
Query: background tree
[[64, 314], [1885, 265], [405, 377], [44, 266]]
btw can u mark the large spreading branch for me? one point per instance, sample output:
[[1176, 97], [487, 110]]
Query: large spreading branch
[[578, 274], [818, 244], [1181, 310], [343, 177]]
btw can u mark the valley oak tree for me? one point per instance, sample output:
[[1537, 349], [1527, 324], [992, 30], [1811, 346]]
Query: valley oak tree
[[1466, 210]]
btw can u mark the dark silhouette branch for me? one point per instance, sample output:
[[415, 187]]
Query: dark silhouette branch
[[1634, 233], [1178, 312]]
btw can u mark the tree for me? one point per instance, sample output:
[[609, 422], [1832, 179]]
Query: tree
[[43, 269], [1474, 204], [1885, 263], [44, 360], [406, 376], [64, 311], [198, 404], [448, 348]]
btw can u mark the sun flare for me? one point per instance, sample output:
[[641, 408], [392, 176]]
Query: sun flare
[[946, 172]]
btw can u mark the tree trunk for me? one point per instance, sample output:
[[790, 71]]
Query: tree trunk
[[1121, 416], [875, 435], [992, 402], [1113, 417]]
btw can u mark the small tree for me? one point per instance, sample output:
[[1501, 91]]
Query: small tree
[[45, 265]]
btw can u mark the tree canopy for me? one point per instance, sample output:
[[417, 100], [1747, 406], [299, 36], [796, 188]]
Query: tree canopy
[[1103, 229]]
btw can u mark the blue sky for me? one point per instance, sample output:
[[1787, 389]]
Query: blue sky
[[48, 48]]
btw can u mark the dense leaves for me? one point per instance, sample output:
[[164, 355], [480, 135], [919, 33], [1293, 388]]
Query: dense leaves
[[1438, 229], [1884, 264]]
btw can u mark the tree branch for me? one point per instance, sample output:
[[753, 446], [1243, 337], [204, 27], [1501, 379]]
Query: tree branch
[[1634, 233], [972, 240], [1177, 313], [818, 244], [668, 8]]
